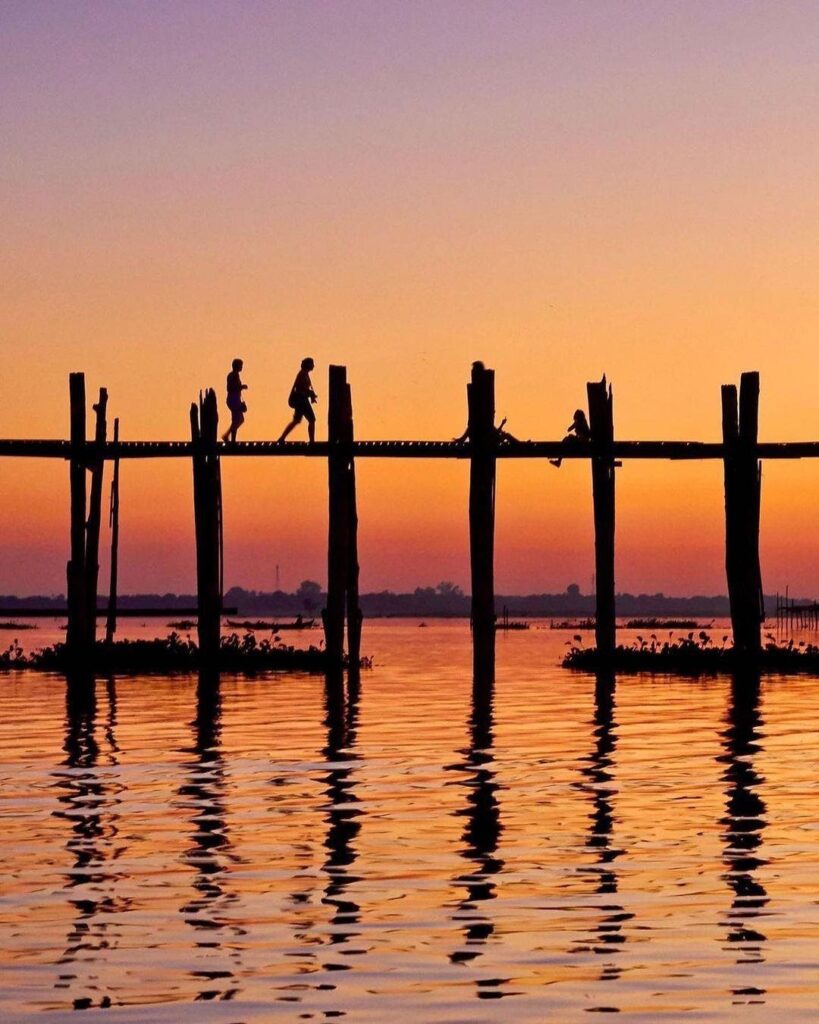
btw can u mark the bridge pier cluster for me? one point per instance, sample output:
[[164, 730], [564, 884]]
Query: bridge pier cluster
[[740, 452]]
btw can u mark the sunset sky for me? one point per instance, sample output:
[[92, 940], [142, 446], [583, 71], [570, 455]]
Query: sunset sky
[[560, 189]]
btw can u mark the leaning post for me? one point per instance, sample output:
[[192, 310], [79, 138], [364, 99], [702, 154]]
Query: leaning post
[[92, 545], [113, 522], [77, 633], [354, 616], [601, 423], [483, 439]]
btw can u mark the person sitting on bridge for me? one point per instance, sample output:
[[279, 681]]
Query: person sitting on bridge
[[237, 407], [578, 433], [301, 397]]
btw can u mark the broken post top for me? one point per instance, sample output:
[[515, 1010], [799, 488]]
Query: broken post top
[[601, 411], [481, 400]]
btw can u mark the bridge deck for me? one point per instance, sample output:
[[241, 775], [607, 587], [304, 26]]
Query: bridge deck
[[677, 450]]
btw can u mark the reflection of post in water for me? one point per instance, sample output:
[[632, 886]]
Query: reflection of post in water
[[607, 935], [341, 720], [203, 796], [744, 822], [86, 805], [480, 836]]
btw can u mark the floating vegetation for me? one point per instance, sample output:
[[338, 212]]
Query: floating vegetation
[[693, 655], [17, 625], [186, 624], [572, 624], [175, 653]]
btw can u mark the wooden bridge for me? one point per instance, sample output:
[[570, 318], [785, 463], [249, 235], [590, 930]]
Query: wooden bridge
[[740, 451]]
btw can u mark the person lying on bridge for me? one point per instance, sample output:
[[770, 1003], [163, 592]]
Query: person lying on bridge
[[501, 435], [301, 397], [578, 434], [237, 407]]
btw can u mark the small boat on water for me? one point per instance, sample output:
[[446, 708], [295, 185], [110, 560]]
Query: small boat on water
[[255, 624]]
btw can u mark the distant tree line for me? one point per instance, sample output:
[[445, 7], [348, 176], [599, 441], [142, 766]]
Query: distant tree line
[[445, 600]]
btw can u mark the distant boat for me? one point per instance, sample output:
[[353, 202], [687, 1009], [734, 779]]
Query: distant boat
[[254, 624]]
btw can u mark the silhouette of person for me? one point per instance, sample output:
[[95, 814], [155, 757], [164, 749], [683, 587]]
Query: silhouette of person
[[237, 407], [500, 433], [578, 432], [301, 397]]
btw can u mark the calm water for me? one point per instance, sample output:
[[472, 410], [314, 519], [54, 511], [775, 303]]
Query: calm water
[[266, 854]]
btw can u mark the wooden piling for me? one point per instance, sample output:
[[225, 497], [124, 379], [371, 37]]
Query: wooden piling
[[338, 537], [92, 539], [77, 632], [113, 522], [742, 470], [483, 439], [207, 500], [354, 616], [601, 422]]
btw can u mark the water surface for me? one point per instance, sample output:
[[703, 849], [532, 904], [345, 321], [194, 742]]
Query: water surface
[[265, 850]]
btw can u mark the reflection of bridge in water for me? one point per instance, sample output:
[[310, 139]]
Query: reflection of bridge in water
[[202, 797], [89, 806], [744, 823], [608, 935]]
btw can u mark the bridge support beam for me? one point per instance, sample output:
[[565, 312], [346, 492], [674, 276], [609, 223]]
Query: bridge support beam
[[207, 505], [601, 422], [77, 632], [342, 539], [743, 482], [92, 545], [483, 440]]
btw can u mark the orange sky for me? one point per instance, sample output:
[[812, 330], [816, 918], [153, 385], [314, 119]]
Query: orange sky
[[560, 190]]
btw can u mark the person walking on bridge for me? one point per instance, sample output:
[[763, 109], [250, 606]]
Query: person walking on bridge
[[302, 397], [235, 402]]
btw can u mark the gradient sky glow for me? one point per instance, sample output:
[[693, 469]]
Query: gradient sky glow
[[560, 189]]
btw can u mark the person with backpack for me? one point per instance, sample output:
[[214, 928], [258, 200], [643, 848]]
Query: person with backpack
[[300, 401]]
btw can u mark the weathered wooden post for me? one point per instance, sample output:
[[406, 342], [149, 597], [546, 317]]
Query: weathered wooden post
[[113, 522], [92, 544], [338, 538], [342, 541], [354, 616], [601, 422], [482, 438], [207, 500], [77, 633], [740, 428]]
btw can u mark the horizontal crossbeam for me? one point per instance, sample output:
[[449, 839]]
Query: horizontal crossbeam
[[676, 450]]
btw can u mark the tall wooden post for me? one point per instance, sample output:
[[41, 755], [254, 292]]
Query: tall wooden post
[[740, 428], [207, 501], [338, 538], [113, 522], [92, 544], [482, 437], [601, 422], [354, 616], [77, 633]]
